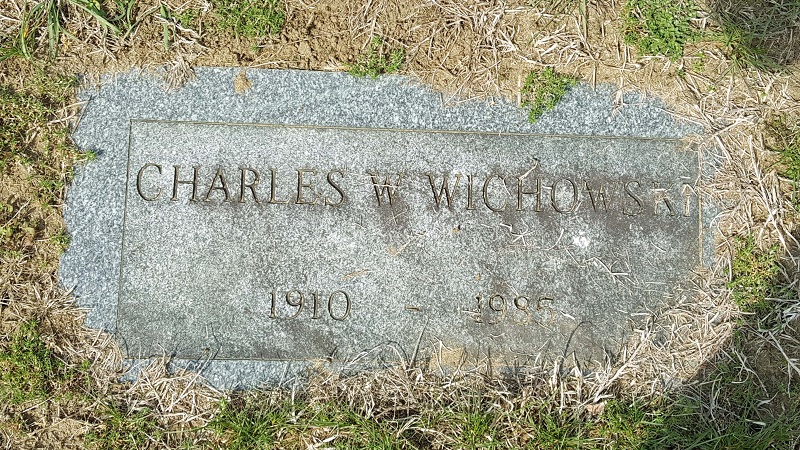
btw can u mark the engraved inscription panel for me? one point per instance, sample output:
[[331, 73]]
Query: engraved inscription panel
[[319, 242]]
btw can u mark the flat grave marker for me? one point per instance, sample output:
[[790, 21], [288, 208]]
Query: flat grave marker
[[266, 231]]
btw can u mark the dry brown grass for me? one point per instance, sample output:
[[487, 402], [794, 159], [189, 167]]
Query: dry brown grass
[[468, 49]]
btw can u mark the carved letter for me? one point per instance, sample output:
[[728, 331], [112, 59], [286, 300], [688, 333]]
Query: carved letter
[[660, 195], [574, 196], [639, 203], [273, 188], [688, 190], [302, 185], [469, 193], [601, 195], [251, 186], [444, 189], [220, 175], [315, 298], [338, 188], [139, 182], [486, 193], [537, 192], [193, 182], [384, 188], [272, 306]]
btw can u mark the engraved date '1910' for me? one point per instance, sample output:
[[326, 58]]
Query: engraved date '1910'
[[495, 308], [339, 304]]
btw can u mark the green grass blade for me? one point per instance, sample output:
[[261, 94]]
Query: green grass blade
[[97, 14]]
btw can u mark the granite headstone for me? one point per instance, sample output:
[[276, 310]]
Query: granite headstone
[[317, 216]]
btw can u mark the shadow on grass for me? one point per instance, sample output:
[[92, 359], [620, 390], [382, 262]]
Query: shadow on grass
[[759, 34], [748, 394]]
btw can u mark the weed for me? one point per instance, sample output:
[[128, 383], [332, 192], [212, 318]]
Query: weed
[[124, 430], [28, 369], [542, 91], [251, 18], [659, 27], [376, 62], [754, 276], [50, 190], [699, 64], [88, 156], [61, 239], [189, 18], [6, 231]]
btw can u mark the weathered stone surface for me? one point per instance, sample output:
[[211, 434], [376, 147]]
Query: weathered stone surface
[[328, 191]]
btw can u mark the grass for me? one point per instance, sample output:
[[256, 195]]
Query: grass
[[28, 368], [753, 34], [250, 18], [757, 34], [542, 91], [42, 155], [251, 425], [470, 422], [376, 61], [742, 45], [659, 27], [783, 138], [24, 115], [754, 278], [125, 430], [558, 6], [252, 422], [783, 133], [49, 17]]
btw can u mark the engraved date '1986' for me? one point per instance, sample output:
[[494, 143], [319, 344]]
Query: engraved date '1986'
[[495, 308]]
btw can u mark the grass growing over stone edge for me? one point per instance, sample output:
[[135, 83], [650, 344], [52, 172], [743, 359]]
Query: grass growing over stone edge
[[542, 91]]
